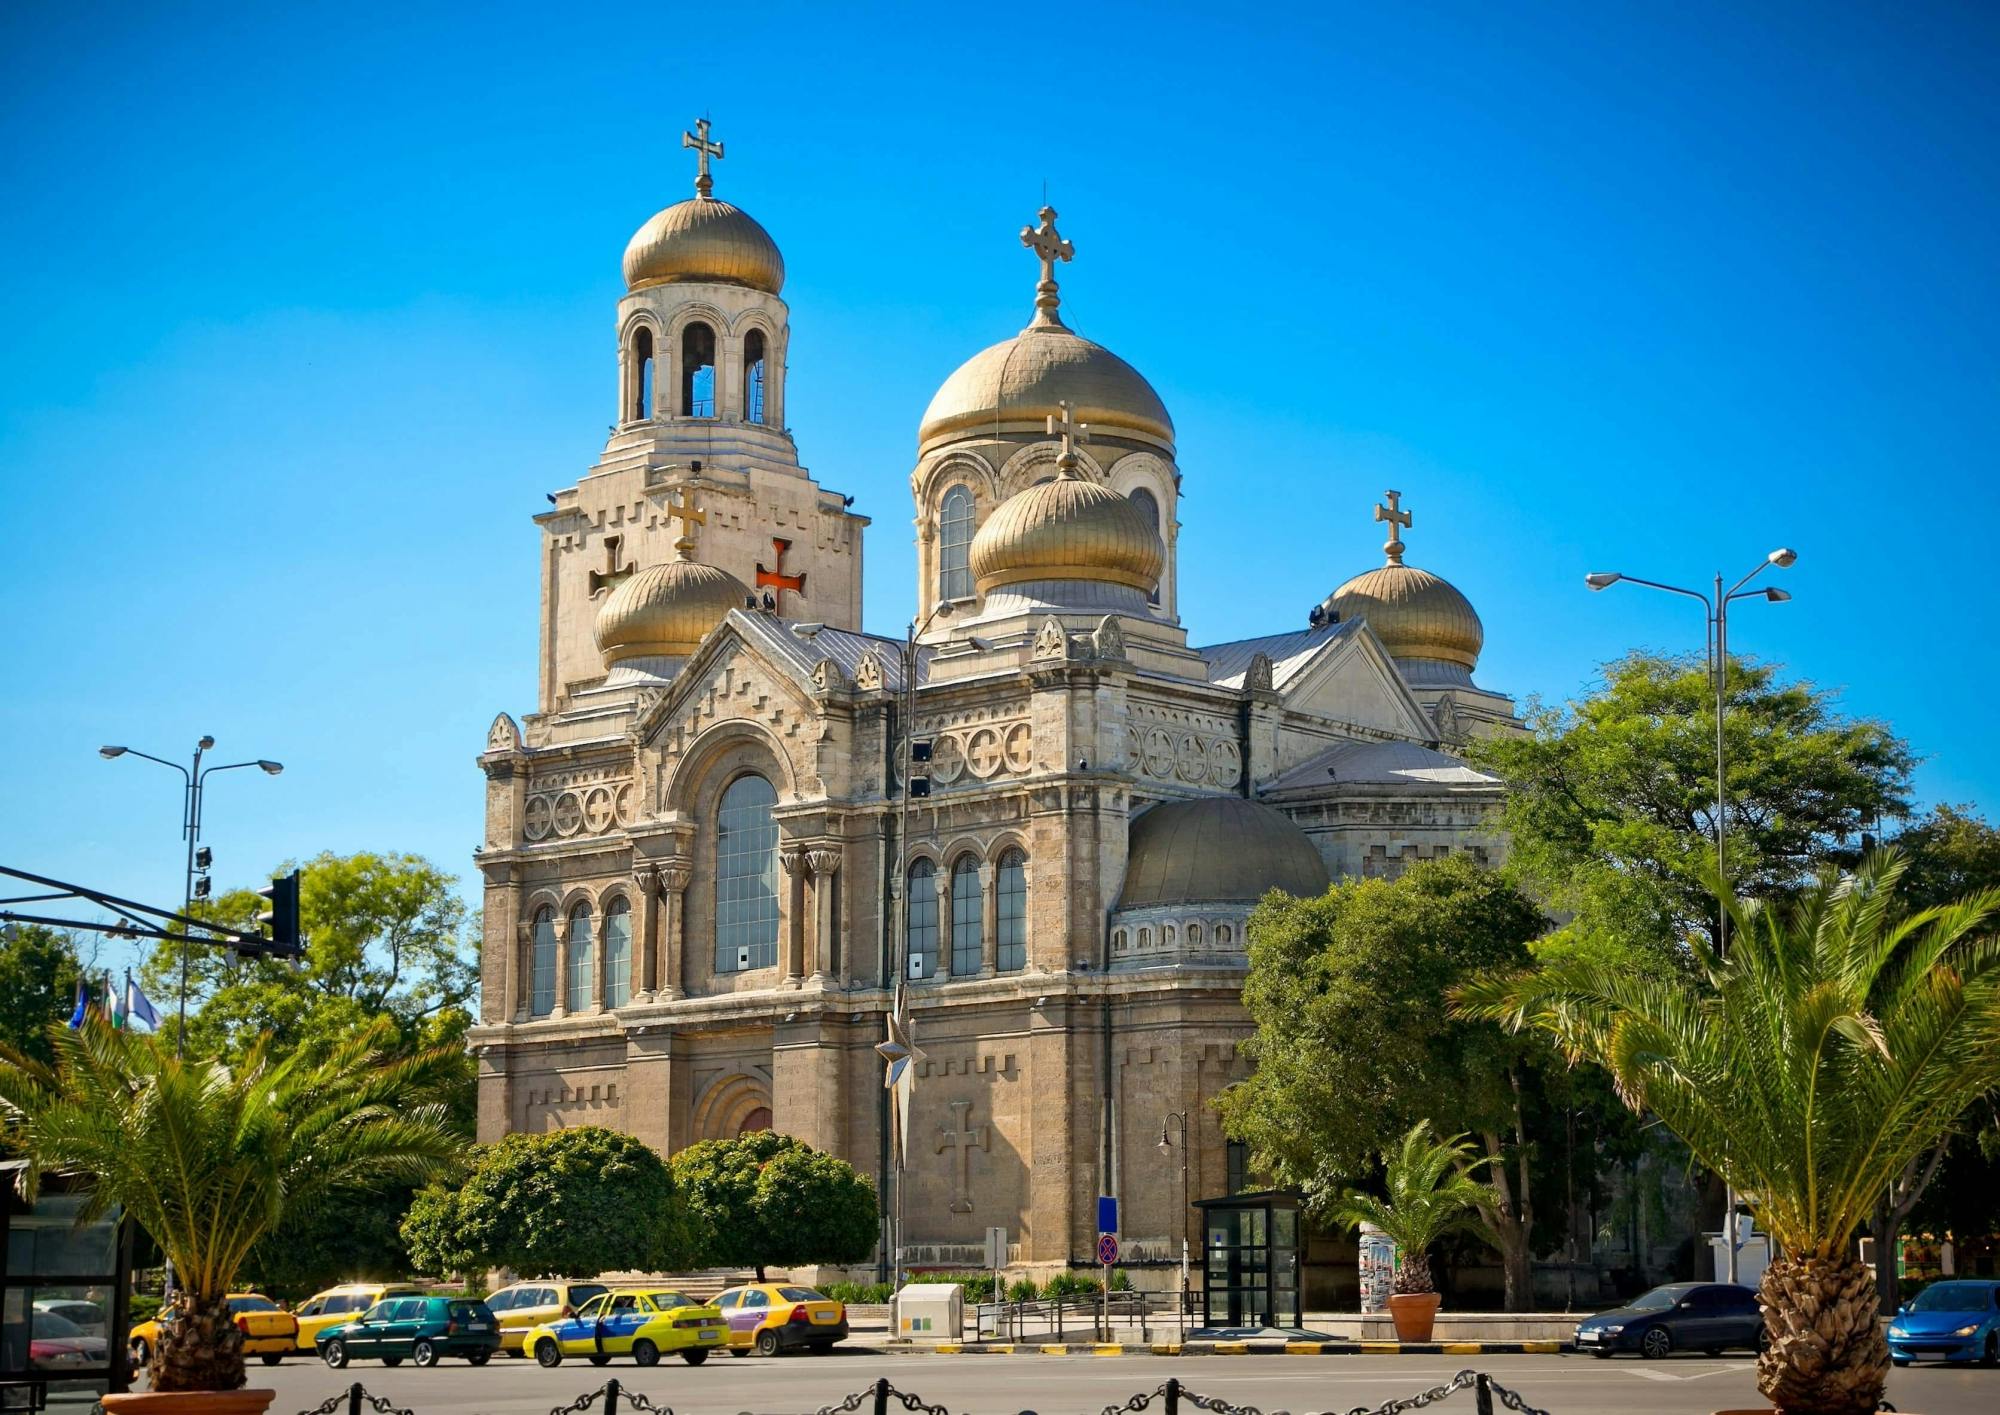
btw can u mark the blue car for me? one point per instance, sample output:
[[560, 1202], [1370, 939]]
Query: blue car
[[1956, 1320]]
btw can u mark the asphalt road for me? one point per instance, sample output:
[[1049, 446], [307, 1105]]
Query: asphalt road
[[1085, 1385]]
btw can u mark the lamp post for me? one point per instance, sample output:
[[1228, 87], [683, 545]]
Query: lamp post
[[1178, 1120], [193, 779], [1716, 609]]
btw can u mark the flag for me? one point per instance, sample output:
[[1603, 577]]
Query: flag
[[114, 1005], [82, 1004], [137, 1007]]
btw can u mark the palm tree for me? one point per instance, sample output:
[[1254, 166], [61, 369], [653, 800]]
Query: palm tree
[[207, 1156], [1431, 1194], [1839, 1038]]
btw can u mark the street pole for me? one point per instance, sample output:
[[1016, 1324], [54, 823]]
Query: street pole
[[1180, 1118]]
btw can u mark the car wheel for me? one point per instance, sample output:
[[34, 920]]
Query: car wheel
[[739, 1351], [272, 1358], [1763, 1340], [695, 1355], [424, 1353], [479, 1358], [392, 1360], [1899, 1360], [600, 1360], [1992, 1356], [644, 1353], [547, 1352], [139, 1353], [1657, 1342], [767, 1343], [334, 1353], [1602, 1355]]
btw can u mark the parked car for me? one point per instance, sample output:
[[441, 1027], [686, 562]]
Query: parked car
[[644, 1323], [343, 1304], [57, 1344], [424, 1329], [526, 1305], [87, 1316], [1682, 1316], [269, 1331], [774, 1317], [1956, 1320]]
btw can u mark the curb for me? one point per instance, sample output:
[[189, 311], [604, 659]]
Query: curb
[[1232, 1348]]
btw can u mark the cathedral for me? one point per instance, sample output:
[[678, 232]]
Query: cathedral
[[739, 830]]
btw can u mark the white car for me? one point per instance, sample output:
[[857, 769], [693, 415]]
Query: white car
[[86, 1317]]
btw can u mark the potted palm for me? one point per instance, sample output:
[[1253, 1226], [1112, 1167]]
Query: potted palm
[[1430, 1194], [207, 1156], [1833, 1044]]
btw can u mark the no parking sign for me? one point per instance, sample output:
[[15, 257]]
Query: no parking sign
[[1107, 1248]]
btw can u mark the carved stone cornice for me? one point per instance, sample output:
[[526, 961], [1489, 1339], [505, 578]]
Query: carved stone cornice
[[823, 862], [675, 873], [793, 859]]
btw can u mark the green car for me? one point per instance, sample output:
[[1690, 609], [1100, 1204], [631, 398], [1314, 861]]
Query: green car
[[425, 1329]]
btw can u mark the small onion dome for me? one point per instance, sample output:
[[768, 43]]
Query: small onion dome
[[1067, 529], [665, 610], [704, 239], [1217, 850], [1016, 386], [1414, 613]]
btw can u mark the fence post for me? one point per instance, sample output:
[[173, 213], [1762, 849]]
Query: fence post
[[1173, 1395], [881, 1395], [354, 1399], [611, 1396], [1482, 1392]]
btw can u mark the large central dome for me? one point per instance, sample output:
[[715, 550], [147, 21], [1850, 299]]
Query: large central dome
[[703, 239], [1019, 383]]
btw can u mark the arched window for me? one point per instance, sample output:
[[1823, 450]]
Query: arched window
[[955, 544], [542, 965], [1148, 503], [746, 877], [1222, 933], [1145, 938], [582, 960], [1012, 952], [968, 934], [753, 376], [642, 374], [1194, 935], [697, 371], [618, 952], [920, 932]]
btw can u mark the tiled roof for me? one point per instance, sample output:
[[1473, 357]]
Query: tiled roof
[[844, 646], [1382, 764], [1289, 653]]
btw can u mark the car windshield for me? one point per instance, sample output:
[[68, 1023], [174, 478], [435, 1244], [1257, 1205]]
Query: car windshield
[[800, 1294], [469, 1312], [252, 1304], [1659, 1299], [48, 1324], [666, 1300], [584, 1291], [1954, 1297]]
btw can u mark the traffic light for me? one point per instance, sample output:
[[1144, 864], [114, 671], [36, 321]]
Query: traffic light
[[920, 755], [280, 920]]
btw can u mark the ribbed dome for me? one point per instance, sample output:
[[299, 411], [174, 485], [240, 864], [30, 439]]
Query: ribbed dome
[[665, 610], [704, 239], [1067, 529], [1220, 849], [1017, 385], [1414, 613]]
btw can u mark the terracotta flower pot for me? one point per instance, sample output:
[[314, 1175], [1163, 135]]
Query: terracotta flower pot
[[189, 1402], [1415, 1314]]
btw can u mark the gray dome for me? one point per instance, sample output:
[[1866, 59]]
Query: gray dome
[[1219, 849]]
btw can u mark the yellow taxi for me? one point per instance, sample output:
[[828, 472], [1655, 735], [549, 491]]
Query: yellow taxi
[[523, 1306], [268, 1330], [781, 1316], [644, 1323], [343, 1304]]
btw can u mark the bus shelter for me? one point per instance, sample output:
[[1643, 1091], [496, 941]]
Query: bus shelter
[[63, 1299], [1251, 1250]]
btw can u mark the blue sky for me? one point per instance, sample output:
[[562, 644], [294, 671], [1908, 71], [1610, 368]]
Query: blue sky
[[306, 306]]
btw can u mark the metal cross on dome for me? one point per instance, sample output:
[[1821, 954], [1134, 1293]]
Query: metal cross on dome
[[1047, 242], [1398, 519], [703, 150], [1071, 432], [899, 1077], [684, 512]]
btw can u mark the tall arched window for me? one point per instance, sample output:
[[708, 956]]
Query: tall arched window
[[746, 877], [920, 932], [618, 952], [642, 375], [1011, 954], [697, 371], [955, 544], [968, 934], [1148, 503], [753, 376], [582, 961], [542, 965]]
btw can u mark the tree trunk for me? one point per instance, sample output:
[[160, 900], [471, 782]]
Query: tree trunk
[[1827, 1354], [201, 1349], [1507, 1226], [1887, 1231], [760, 1273], [1415, 1274]]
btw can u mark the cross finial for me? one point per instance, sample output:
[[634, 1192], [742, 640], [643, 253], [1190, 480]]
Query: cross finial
[[1397, 518], [1047, 242], [684, 512], [703, 150], [1071, 432]]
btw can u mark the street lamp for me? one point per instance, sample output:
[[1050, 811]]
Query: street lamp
[[1717, 615], [193, 779], [1178, 1120]]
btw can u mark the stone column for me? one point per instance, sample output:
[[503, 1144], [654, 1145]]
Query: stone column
[[825, 866], [989, 920], [561, 1008], [646, 952], [794, 861], [600, 958], [941, 880], [674, 876], [521, 971]]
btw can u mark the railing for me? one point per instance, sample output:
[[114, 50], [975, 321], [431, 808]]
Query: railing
[[1094, 1313]]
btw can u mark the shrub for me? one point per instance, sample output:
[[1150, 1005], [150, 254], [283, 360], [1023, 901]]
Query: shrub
[[1072, 1285], [1024, 1290], [145, 1307], [862, 1292]]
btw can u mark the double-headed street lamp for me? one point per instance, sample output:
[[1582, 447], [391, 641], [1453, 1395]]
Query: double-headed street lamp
[[1717, 612], [193, 779]]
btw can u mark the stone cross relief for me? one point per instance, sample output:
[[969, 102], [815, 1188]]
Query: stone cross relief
[[965, 1138], [613, 574], [776, 578]]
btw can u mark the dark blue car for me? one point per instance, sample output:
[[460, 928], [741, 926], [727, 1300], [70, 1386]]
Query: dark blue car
[[1955, 1320], [1682, 1316]]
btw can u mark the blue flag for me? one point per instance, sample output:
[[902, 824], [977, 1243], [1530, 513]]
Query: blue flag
[[137, 1008], [82, 1005]]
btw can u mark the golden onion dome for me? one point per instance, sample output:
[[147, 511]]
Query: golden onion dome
[[1017, 384], [704, 239], [1414, 613], [665, 610], [1219, 849], [1067, 529]]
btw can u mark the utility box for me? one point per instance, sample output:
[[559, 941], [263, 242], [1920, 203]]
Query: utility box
[[930, 1311]]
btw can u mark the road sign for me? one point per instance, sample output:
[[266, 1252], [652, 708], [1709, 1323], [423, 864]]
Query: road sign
[[1107, 1214], [1107, 1248], [996, 1247]]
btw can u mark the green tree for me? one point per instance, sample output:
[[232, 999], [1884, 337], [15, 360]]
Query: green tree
[[38, 972], [1611, 808], [1354, 1042], [1834, 1044], [570, 1203], [1430, 1193], [768, 1200], [209, 1156]]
